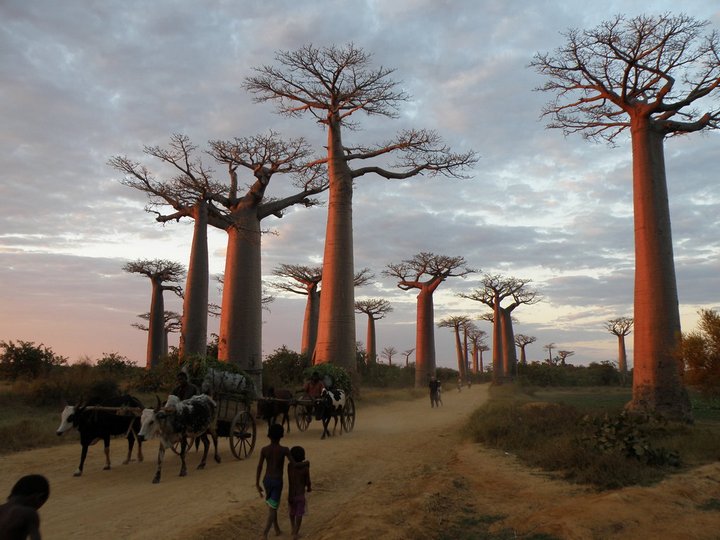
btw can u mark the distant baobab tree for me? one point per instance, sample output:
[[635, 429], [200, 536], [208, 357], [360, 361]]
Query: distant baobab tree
[[173, 323], [620, 327], [162, 273], [426, 271], [407, 354], [549, 349], [563, 355], [646, 75], [458, 324], [522, 341], [305, 280], [375, 309], [388, 353], [493, 290], [188, 194], [332, 84], [477, 342], [263, 156]]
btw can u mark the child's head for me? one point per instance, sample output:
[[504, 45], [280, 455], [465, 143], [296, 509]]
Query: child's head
[[298, 453], [33, 489], [276, 432]]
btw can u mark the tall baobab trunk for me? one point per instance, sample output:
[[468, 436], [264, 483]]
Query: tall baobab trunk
[[508, 344], [459, 351], [156, 324], [622, 354], [310, 323], [475, 356], [497, 362], [242, 297], [371, 346], [425, 339], [523, 358], [657, 379], [336, 325], [193, 336]]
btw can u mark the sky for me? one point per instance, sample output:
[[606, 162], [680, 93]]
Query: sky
[[83, 81]]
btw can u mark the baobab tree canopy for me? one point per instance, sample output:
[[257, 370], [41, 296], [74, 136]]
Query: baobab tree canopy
[[332, 84], [656, 76]]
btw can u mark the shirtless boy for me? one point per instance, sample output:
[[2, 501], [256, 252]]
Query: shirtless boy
[[274, 456], [19, 518], [298, 483]]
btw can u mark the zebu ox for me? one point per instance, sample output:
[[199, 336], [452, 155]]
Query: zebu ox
[[330, 404], [95, 424], [181, 421], [276, 405]]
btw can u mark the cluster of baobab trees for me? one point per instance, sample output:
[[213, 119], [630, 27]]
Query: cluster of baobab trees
[[649, 76]]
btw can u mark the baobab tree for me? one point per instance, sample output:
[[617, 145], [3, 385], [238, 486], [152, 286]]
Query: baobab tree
[[162, 273], [620, 327], [332, 84], [172, 324], [647, 75], [522, 341], [563, 355], [425, 272], [458, 324], [305, 280], [493, 290], [407, 354], [375, 309], [263, 156], [388, 353], [549, 349], [477, 345], [189, 194]]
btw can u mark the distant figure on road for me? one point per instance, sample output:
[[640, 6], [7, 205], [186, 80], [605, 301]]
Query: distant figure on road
[[434, 392], [19, 518]]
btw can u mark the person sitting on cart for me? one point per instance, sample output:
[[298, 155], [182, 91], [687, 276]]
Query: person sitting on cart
[[313, 390], [184, 389]]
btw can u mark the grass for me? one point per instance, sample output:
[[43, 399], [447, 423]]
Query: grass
[[580, 435]]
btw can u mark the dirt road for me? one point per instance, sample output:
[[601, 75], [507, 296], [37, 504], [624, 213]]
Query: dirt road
[[402, 474]]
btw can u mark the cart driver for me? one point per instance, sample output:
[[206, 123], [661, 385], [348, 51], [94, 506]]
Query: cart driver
[[184, 389], [314, 387]]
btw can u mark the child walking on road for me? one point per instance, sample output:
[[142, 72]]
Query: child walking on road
[[19, 518], [274, 456], [298, 483]]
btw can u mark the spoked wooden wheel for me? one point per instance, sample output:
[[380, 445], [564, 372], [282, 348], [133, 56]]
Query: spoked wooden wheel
[[303, 416], [349, 415], [242, 435]]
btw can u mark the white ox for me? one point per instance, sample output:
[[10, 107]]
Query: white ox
[[181, 421]]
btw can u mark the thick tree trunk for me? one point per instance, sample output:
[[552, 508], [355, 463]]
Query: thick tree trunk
[[425, 339], [241, 318], [156, 324], [482, 365], [622, 355], [310, 323], [657, 381], [336, 325], [193, 336], [371, 347], [459, 352], [508, 344], [497, 373], [523, 359], [475, 352]]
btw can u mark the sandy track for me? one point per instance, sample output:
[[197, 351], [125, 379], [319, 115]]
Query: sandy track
[[402, 474]]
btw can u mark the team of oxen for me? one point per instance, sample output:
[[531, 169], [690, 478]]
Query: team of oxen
[[178, 423]]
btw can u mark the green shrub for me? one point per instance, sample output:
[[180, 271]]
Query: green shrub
[[284, 368], [336, 375], [27, 360]]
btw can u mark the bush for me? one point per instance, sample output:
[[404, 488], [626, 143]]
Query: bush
[[701, 354], [337, 376], [27, 360], [284, 368]]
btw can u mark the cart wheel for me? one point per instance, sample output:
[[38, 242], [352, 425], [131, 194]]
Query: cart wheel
[[302, 416], [349, 414], [242, 435]]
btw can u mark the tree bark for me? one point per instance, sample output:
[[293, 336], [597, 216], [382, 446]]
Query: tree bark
[[156, 324], [459, 351], [508, 343], [371, 346], [193, 336], [475, 352], [336, 325], [241, 321], [523, 359], [622, 354], [497, 363], [657, 380], [310, 323], [425, 338]]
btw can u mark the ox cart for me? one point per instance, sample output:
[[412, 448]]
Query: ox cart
[[305, 407], [235, 421]]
